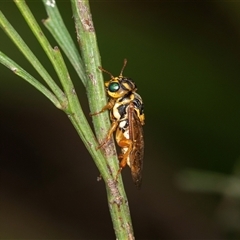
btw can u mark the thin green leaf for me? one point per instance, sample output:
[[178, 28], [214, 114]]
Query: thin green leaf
[[6, 61], [15, 37], [59, 31]]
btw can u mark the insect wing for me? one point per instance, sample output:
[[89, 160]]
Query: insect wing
[[136, 155]]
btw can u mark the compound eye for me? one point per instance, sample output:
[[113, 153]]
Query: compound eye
[[113, 87]]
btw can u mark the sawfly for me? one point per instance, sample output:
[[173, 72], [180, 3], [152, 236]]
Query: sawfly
[[127, 117]]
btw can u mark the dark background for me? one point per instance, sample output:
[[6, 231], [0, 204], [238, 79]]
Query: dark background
[[184, 57]]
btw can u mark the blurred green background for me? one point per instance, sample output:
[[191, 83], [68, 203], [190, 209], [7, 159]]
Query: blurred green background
[[185, 58]]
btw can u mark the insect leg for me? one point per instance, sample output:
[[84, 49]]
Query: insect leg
[[108, 106], [110, 132], [125, 144]]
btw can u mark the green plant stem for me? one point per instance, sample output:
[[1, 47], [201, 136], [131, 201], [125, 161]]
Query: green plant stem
[[68, 101], [117, 200], [77, 117]]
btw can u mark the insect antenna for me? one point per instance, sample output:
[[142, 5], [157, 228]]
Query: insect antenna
[[102, 69], [124, 65]]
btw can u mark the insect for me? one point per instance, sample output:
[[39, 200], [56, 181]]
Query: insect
[[127, 117]]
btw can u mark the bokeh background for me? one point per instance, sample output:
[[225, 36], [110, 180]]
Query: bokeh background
[[185, 58]]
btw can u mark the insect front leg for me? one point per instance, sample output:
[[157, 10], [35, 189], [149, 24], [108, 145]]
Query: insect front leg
[[108, 106], [110, 132]]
